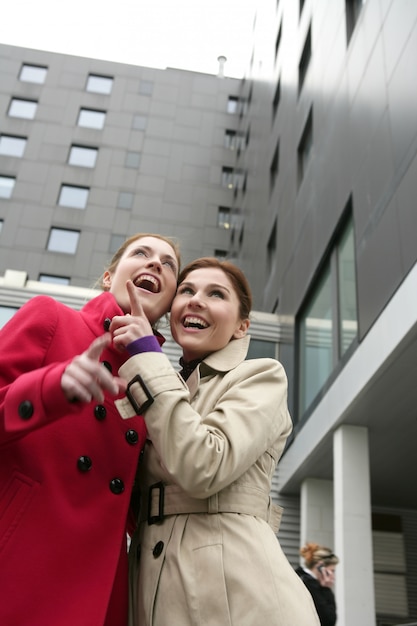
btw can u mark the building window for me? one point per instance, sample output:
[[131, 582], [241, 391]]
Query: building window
[[132, 159], [353, 9], [139, 122], [63, 240], [33, 73], [328, 323], [7, 184], [115, 242], [12, 146], [220, 254], [277, 98], [223, 217], [233, 104], [125, 200], [227, 177], [305, 147], [259, 349], [234, 140], [55, 280], [89, 118], [83, 157], [304, 61], [301, 6], [99, 84], [22, 108], [6, 314], [75, 197], [146, 87], [273, 172], [278, 40], [1, 225]]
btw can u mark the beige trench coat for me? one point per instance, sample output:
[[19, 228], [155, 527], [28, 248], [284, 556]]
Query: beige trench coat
[[214, 444]]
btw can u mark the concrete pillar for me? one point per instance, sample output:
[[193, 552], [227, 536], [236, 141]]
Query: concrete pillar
[[354, 590], [316, 512]]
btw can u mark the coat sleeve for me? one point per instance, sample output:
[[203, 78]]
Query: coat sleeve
[[30, 390], [247, 417]]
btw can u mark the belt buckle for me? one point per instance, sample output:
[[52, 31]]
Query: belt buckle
[[156, 519]]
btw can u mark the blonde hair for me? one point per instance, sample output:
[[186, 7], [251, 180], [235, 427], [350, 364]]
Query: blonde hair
[[313, 554]]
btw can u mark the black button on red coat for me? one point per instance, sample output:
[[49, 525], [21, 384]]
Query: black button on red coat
[[132, 437], [25, 409], [117, 486], [84, 463], [100, 412]]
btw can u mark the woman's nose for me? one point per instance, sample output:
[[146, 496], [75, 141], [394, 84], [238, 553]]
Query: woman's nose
[[155, 262]]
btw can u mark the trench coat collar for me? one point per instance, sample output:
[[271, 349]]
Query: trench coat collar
[[221, 361]]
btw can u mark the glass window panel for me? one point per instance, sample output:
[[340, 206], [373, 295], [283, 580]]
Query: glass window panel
[[316, 342], [259, 349], [99, 84], [227, 177], [132, 159], [56, 280], [232, 104], [83, 157], [6, 313], [61, 240], [7, 184], [115, 242], [75, 197], [12, 146], [348, 322], [1, 225], [91, 119], [139, 122], [146, 87], [125, 200], [223, 217], [23, 108], [33, 73]]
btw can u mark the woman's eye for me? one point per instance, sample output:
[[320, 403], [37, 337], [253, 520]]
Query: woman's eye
[[170, 264], [140, 252], [185, 290], [217, 294]]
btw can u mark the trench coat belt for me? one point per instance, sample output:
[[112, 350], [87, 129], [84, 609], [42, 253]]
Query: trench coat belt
[[167, 500]]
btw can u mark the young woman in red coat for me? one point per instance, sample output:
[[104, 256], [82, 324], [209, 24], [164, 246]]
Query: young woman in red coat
[[67, 458]]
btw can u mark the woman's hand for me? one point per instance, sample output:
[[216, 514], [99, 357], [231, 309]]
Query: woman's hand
[[85, 378], [326, 576], [133, 325]]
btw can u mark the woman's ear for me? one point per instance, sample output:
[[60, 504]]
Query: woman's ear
[[106, 282], [242, 329]]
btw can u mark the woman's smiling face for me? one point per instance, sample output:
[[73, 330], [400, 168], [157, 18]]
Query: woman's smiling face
[[205, 313], [151, 264]]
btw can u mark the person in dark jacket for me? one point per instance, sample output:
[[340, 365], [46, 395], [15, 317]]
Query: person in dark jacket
[[318, 575]]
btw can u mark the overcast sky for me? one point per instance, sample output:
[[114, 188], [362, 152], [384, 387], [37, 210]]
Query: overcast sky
[[186, 34]]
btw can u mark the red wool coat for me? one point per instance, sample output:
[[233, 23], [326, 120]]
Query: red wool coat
[[66, 473]]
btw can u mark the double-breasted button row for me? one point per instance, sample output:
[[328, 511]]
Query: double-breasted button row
[[116, 485]]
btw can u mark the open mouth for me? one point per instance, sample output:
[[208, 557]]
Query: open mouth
[[148, 282], [194, 322]]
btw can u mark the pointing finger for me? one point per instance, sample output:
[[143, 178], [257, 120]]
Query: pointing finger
[[97, 346], [136, 307]]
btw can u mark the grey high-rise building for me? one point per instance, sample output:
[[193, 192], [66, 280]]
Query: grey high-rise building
[[304, 174]]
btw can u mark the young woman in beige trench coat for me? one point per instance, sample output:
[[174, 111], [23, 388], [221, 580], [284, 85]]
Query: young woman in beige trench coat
[[205, 551]]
